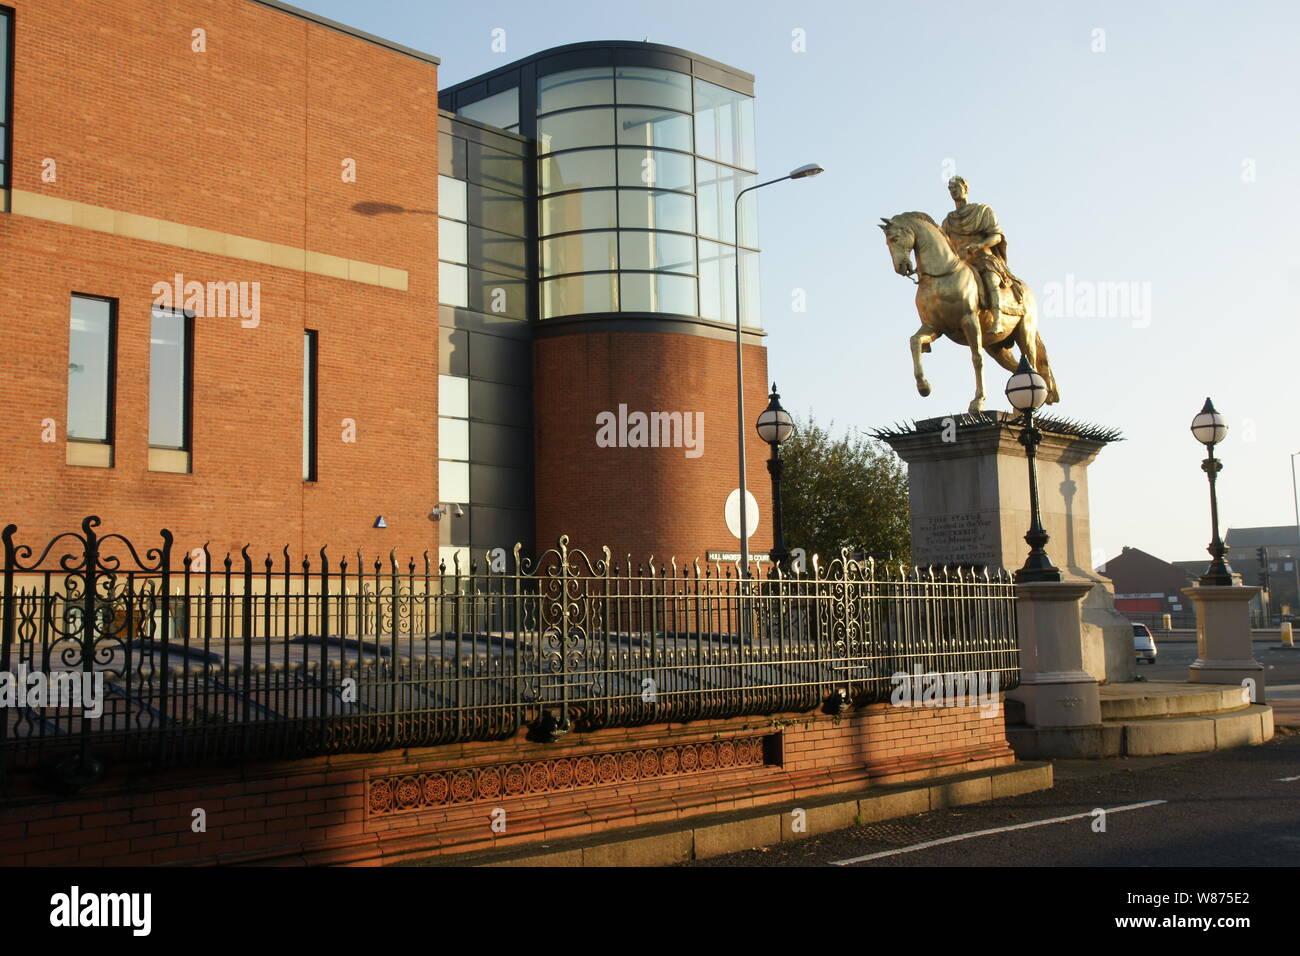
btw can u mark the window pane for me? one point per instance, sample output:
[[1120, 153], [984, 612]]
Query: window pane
[[453, 481], [654, 167], [451, 198], [453, 284], [651, 87], [661, 251], [452, 241], [654, 128], [89, 363], [716, 193], [592, 86], [496, 252], [586, 168], [453, 438], [453, 396], [496, 210], [167, 385], [587, 210], [578, 128], [583, 252], [657, 293], [498, 295], [653, 209], [495, 168], [718, 284], [578, 295], [500, 109], [724, 125]]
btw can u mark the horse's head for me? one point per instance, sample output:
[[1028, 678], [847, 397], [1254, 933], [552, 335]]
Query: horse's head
[[901, 239]]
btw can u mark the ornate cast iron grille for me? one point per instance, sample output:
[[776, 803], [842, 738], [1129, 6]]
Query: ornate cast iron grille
[[204, 660]]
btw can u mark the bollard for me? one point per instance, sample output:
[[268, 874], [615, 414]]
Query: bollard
[[1169, 622], [1287, 637]]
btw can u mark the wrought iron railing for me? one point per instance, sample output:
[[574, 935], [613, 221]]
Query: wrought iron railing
[[247, 659]]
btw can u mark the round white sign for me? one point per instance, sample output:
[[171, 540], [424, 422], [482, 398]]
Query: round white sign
[[732, 512]]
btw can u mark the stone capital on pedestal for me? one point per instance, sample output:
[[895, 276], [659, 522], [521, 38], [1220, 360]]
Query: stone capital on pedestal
[[1055, 688], [1224, 654]]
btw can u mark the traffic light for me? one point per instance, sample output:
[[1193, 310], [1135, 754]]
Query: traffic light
[[1262, 556]]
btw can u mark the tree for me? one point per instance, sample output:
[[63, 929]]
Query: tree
[[848, 492]]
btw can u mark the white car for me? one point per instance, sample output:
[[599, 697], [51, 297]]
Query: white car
[[1144, 645]]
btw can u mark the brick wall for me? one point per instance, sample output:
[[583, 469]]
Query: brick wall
[[645, 501], [381, 808], [246, 139]]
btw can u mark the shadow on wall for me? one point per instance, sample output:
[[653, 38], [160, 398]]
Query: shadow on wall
[[380, 208]]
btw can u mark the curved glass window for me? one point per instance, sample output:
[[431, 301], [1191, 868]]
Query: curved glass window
[[577, 295], [657, 292], [581, 252], [655, 167], [646, 86], [578, 170], [651, 127], [572, 211], [658, 251], [717, 188], [655, 209], [591, 86], [574, 129], [718, 284], [724, 125]]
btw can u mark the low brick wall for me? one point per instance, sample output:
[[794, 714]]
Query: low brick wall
[[372, 809]]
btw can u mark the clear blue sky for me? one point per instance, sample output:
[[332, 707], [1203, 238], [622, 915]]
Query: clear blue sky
[[1171, 159]]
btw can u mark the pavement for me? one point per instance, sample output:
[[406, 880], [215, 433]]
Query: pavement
[[1225, 808]]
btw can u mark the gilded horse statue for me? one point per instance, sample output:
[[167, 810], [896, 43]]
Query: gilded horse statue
[[948, 301]]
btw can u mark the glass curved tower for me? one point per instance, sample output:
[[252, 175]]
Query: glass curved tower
[[638, 153]]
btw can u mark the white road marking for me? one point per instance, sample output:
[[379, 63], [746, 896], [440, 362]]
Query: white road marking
[[1287, 779], [980, 833]]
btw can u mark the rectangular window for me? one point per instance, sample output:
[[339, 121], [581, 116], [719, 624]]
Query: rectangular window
[[91, 347], [170, 353], [6, 103], [309, 351]]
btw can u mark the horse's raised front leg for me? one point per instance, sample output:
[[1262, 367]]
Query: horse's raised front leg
[[923, 337], [974, 338]]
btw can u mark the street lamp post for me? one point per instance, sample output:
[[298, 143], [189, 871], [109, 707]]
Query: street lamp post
[[1210, 429], [1295, 557], [803, 172], [775, 426], [1026, 390]]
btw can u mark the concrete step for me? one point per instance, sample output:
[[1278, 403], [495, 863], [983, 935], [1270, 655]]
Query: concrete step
[[1168, 699], [1147, 736]]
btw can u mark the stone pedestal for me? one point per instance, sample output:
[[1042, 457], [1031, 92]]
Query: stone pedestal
[[1055, 688], [1224, 654], [969, 483]]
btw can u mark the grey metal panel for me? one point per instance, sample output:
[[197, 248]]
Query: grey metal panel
[[504, 445], [501, 528], [498, 295], [453, 317], [498, 252], [499, 359], [503, 404], [504, 487]]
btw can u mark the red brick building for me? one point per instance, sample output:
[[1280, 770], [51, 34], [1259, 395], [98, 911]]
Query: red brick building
[[221, 271]]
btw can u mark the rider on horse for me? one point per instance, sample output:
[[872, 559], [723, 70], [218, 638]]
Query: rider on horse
[[973, 230]]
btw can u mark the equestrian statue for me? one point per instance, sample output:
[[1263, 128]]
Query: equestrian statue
[[965, 289]]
